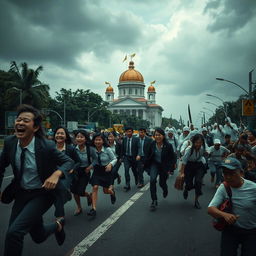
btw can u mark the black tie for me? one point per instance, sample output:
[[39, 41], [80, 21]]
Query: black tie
[[22, 162], [129, 147], [99, 160]]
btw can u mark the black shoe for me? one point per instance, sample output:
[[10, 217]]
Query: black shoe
[[185, 194], [118, 179], [140, 186], [136, 182], [113, 198], [165, 193], [127, 188], [89, 199], [92, 213], [60, 235], [197, 205], [153, 205]]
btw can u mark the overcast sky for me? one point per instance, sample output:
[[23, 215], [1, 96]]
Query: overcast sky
[[182, 44]]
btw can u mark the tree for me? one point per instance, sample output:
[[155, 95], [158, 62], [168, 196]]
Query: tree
[[34, 92]]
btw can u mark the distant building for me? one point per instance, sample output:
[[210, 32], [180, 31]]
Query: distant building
[[131, 98]]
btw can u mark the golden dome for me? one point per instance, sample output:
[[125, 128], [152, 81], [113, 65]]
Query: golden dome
[[131, 74], [109, 89], [151, 88]]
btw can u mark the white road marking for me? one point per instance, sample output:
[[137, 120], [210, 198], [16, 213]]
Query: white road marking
[[88, 241], [8, 177]]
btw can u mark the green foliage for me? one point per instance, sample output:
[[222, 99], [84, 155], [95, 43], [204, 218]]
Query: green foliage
[[170, 122]]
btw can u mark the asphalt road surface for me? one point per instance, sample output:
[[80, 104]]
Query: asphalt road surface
[[129, 228]]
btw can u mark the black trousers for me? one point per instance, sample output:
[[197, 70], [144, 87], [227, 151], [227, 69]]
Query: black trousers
[[233, 236], [114, 171], [194, 173], [26, 217], [130, 162], [141, 168]]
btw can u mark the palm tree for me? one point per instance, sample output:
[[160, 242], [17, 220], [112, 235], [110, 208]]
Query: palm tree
[[26, 83]]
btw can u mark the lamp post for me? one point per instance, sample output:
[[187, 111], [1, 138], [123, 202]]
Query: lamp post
[[248, 93], [20, 90], [216, 106], [224, 105], [209, 110]]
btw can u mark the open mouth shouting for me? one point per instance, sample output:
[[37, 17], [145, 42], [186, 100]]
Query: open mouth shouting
[[20, 130]]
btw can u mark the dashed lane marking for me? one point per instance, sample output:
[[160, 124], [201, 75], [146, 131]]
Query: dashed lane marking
[[88, 241]]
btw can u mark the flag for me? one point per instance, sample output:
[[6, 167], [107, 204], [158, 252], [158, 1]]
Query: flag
[[107, 83], [189, 115], [133, 55], [153, 82], [125, 58]]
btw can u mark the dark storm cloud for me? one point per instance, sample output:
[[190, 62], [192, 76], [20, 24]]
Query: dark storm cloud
[[59, 31], [234, 14]]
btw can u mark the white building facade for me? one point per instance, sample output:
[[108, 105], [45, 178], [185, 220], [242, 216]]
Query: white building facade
[[131, 98]]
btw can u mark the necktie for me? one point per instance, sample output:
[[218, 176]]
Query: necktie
[[22, 162], [99, 160], [129, 147], [141, 146]]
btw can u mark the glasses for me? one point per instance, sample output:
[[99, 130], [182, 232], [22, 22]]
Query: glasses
[[25, 120]]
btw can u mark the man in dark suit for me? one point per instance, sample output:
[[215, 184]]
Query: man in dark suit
[[143, 151], [34, 161], [130, 152]]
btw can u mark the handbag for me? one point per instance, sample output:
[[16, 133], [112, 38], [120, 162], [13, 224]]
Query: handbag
[[220, 224], [179, 183]]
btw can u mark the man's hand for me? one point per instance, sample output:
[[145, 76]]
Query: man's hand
[[137, 158], [52, 181], [230, 218], [108, 168]]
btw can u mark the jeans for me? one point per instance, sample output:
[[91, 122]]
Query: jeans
[[232, 237], [26, 217], [216, 169], [130, 162], [194, 173], [155, 170]]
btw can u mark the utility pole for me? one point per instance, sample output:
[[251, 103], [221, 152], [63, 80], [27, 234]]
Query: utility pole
[[64, 110]]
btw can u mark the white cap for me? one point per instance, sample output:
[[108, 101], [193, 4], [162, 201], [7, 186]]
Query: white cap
[[185, 129], [216, 141], [204, 129], [171, 130]]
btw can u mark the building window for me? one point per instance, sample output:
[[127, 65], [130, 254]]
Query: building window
[[136, 92], [121, 111], [140, 113], [134, 112], [128, 112], [115, 111]]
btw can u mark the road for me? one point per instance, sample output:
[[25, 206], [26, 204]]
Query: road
[[175, 228]]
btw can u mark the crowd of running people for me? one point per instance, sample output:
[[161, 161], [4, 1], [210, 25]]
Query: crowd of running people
[[47, 173]]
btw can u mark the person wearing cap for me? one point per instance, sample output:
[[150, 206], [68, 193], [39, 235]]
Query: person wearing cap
[[182, 137], [193, 168], [216, 155], [208, 139], [242, 221], [171, 138], [231, 129]]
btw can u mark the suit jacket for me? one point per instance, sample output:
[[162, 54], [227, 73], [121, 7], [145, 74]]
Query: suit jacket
[[168, 157], [134, 146], [48, 159], [119, 150]]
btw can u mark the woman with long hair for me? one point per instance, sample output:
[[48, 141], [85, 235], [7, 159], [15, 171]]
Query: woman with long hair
[[82, 174], [193, 167], [161, 161], [64, 144], [116, 147], [102, 164]]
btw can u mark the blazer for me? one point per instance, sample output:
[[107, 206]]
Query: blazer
[[168, 157], [48, 159], [72, 153], [134, 144], [119, 150]]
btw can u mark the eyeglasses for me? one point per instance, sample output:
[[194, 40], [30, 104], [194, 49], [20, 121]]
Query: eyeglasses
[[25, 120]]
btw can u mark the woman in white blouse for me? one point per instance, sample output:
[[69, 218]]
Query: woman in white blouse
[[103, 160]]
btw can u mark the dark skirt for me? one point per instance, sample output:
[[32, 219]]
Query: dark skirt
[[100, 177], [80, 182]]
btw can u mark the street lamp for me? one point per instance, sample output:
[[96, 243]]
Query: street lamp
[[20, 90], [216, 106], [209, 110], [214, 96]]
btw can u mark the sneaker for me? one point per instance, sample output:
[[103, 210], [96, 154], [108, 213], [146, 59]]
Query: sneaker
[[92, 213], [140, 186], [153, 205]]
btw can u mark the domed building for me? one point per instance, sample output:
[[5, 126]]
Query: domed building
[[131, 98]]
